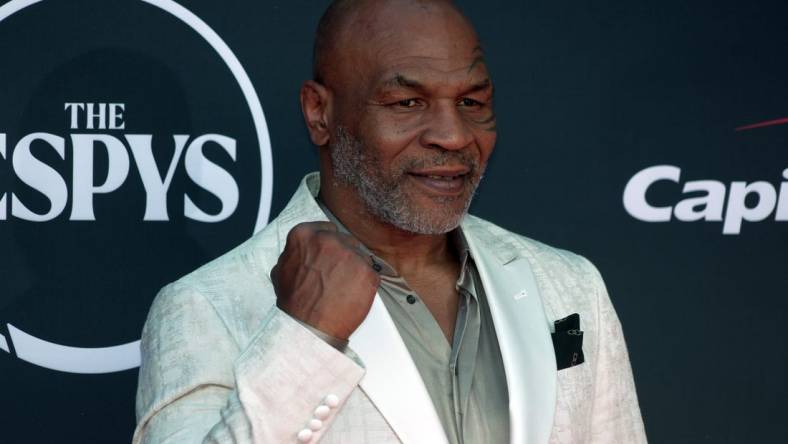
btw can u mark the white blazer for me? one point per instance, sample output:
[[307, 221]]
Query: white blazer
[[221, 364]]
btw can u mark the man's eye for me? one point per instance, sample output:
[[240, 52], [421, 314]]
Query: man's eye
[[468, 102], [408, 103]]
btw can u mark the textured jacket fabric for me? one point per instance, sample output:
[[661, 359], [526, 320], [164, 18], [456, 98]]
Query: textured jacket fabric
[[221, 364]]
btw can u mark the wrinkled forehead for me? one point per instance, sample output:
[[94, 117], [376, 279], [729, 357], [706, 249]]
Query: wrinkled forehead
[[429, 75], [436, 42]]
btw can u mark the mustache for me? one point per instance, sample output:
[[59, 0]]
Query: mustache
[[442, 158]]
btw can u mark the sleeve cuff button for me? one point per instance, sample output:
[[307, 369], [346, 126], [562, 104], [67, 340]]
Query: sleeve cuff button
[[322, 412], [332, 401], [304, 435]]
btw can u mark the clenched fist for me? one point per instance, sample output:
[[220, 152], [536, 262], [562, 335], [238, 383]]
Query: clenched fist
[[323, 279]]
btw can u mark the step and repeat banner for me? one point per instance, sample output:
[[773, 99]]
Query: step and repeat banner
[[140, 139]]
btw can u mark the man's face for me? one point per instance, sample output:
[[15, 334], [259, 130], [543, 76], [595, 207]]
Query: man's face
[[416, 123]]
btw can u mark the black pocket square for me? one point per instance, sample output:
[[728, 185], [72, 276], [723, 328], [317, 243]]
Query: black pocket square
[[568, 342]]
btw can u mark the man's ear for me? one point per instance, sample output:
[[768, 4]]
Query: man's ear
[[315, 107]]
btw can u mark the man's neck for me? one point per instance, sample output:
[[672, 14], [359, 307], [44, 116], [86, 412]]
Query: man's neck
[[407, 252]]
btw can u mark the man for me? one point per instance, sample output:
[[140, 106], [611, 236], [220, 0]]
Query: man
[[373, 309]]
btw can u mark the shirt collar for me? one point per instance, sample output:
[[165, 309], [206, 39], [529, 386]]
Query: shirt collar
[[465, 280], [456, 237]]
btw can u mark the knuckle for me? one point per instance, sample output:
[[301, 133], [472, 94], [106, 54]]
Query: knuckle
[[354, 259], [298, 232], [325, 239], [332, 242]]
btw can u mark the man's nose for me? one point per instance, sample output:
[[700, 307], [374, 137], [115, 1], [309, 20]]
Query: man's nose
[[446, 128]]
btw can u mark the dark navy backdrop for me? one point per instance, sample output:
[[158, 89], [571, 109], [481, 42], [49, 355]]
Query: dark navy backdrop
[[588, 94]]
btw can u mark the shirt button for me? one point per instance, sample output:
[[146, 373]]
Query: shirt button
[[322, 412], [332, 401], [411, 299], [315, 424], [304, 435]]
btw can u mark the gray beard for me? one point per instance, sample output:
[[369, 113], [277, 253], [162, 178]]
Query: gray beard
[[354, 165]]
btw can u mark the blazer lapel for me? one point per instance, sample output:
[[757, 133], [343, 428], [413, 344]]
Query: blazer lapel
[[523, 334], [392, 381]]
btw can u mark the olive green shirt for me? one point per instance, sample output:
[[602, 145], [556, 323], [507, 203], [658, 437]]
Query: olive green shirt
[[465, 379]]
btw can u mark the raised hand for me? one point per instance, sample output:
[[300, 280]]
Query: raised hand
[[323, 279]]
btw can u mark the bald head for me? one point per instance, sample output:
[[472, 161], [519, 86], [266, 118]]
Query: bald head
[[346, 23]]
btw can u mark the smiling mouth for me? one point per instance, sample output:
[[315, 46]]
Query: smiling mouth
[[443, 184], [438, 177]]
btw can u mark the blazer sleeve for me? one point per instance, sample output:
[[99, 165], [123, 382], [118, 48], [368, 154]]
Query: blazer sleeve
[[616, 414], [196, 384]]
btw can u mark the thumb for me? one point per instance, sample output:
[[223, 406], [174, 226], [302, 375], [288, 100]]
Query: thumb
[[274, 275]]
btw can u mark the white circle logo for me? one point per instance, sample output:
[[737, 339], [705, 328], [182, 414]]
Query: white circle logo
[[52, 355]]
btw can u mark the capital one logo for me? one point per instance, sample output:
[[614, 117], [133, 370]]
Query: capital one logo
[[123, 160], [710, 200]]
